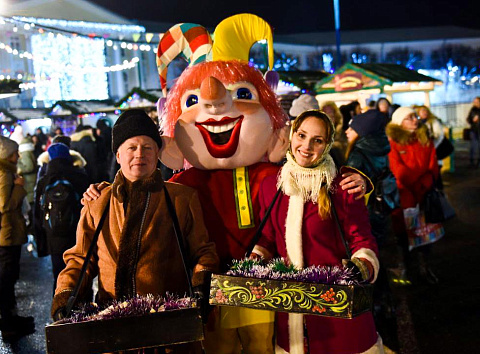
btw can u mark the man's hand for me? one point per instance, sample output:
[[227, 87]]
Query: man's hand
[[354, 183], [93, 192], [19, 181]]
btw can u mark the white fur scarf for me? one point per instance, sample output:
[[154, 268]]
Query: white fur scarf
[[301, 185]]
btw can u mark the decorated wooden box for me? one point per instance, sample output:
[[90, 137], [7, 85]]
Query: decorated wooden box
[[137, 332], [344, 301]]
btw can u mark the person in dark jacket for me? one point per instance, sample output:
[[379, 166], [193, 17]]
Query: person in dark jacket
[[474, 120], [60, 167], [83, 142], [367, 151]]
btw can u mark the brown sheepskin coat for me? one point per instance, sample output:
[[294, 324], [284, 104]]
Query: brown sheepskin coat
[[137, 252]]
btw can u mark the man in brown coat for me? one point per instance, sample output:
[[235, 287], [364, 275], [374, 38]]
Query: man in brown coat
[[137, 252]]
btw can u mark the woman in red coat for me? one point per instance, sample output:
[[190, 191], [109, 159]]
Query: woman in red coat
[[301, 230], [414, 163]]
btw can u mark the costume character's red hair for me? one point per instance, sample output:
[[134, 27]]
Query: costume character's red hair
[[228, 72]]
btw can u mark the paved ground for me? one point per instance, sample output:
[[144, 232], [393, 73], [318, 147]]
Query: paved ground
[[440, 319]]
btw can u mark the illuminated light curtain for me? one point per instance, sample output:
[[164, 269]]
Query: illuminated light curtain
[[62, 59]]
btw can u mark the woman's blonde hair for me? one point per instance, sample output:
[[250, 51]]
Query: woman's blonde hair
[[337, 115], [323, 200]]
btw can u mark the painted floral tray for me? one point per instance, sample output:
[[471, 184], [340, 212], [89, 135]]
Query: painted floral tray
[[344, 301]]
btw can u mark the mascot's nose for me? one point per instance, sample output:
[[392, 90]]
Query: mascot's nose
[[214, 96]]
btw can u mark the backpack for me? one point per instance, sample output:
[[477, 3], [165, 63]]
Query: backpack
[[385, 197], [60, 209]]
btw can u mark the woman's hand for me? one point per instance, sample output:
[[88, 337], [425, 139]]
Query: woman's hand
[[93, 192], [354, 183]]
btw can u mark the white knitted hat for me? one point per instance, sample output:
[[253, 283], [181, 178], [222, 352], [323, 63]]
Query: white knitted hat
[[303, 103], [400, 114], [7, 147]]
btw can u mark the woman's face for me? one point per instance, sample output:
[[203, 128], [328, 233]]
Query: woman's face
[[351, 134], [309, 141], [423, 113], [410, 122], [383, 106]]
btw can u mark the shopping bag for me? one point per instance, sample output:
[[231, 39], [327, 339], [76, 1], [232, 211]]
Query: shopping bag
[[420, 232]]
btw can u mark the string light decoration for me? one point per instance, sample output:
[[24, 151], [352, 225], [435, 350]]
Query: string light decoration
[[76, 66]]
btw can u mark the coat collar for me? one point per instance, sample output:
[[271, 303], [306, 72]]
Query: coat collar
[[405, 137], [154, 183]]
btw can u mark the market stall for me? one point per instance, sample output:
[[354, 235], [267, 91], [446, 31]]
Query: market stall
[[358, 82]]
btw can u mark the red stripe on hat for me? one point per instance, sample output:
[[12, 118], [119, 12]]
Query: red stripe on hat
[[198, 41], [166, 42]]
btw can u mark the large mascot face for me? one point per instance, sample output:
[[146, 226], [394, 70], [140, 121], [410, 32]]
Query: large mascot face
[[224, 115]]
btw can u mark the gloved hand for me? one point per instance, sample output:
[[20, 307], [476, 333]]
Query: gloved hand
[[59, 314], [359, 268]]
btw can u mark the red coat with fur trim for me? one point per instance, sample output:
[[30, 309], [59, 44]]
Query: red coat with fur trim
[[413, 162], [217, 195], [322, 245]]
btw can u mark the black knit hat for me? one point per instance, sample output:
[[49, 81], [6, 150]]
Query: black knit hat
[[134, 122], [369, 122]]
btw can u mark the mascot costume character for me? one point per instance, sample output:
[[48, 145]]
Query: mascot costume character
[[222, 122]]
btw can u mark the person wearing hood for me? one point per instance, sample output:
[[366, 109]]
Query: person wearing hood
[[27, 167], [413, 162], [83, 141], [301, 228], [17, 135], [56, 241], [44, 158], [12, 236]]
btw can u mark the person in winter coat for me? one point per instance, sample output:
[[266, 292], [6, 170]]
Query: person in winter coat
[[348, 112], [27, 167], [302, 230], [414, 164], [474, 120], [368, 152], [137, 251], [62, 237], [83, 142], [12, 237], [44, 158]]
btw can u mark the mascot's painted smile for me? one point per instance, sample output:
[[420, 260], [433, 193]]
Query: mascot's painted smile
[[221, 136]]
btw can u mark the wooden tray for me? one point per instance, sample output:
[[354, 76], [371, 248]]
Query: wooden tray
[[344, 301], [157, 329]]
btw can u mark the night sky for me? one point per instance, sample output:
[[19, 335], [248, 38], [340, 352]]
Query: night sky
[[304, 16]]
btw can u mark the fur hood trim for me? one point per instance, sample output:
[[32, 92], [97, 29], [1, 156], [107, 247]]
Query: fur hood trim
[[404, 137], [26, 147], [80, 135], [78, 160]]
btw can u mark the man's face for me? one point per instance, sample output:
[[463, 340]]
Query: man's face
[[138, 157], [223, 126], [476, 102]]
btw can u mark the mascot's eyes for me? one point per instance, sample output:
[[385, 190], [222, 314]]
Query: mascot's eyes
[[191, 100], [244, 93]]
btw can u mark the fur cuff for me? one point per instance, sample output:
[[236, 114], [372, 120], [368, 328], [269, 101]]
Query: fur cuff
[[263, 252], [370, 256]]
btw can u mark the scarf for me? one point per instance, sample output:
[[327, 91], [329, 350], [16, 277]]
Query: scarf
[[302, 185]]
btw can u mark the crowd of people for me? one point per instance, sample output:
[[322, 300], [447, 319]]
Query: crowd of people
[[43, 179]]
